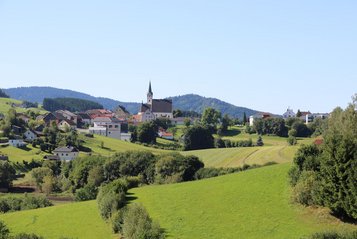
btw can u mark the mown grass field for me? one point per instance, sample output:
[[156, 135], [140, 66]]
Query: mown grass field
[[19, 155], [250, 204], [5, 105], [75, 220]]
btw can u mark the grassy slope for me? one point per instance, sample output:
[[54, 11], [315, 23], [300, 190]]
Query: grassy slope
[[5, 105], [18, 155], [76, 220], [251, 204]]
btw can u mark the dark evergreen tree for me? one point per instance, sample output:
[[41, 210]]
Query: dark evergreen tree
[[3, 94], [260, 141], [339, 163]]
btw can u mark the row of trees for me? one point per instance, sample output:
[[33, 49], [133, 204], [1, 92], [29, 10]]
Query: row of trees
[[326, 175]]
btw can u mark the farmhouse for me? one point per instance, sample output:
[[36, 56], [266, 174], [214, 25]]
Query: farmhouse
[[155, 108], [289, 114], [66, 124], [30, 135], [18, 143], [66, 153]]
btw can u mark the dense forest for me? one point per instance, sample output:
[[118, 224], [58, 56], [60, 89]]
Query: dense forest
[[71, 104], [3, 94]]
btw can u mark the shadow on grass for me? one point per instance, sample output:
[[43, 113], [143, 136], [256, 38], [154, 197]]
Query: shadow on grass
[[232, 132], [130, 197], [344, 218], [25, 148], [22, 189]]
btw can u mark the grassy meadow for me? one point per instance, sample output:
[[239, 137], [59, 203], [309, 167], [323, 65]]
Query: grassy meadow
[[75, 220], [6, 104], [250, 204]]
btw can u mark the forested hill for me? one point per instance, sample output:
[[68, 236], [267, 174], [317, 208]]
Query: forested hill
[[185, 102], [197, 103], [71, 104]]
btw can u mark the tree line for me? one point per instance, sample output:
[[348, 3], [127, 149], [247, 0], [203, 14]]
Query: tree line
[[71, 104]]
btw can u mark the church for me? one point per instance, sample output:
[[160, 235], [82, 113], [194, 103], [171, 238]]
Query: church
[[155, 108]]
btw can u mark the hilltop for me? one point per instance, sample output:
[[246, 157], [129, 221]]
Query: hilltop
[[189, 102]]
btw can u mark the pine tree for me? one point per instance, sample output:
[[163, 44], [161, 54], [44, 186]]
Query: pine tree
[[260, 141], [244, 118], [339, 163]]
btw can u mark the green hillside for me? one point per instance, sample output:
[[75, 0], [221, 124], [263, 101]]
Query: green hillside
[[251, 204], [6, 104], [76, 220]]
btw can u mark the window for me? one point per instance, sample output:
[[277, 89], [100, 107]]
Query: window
[[116, 126]]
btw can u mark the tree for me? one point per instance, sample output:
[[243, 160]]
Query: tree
[[225, 122], [244, 119], [7, 174], [198, 137], [177, 113], [3, 94], [260, 141], [210, 118], [137, 224], [147, 133], [298, 114], [339, 163], [39, 174], [187, 122]]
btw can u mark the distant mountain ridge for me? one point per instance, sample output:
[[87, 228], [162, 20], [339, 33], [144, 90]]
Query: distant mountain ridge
[[185, 102]]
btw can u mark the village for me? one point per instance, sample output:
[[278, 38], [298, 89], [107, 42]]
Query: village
[[115, 124]]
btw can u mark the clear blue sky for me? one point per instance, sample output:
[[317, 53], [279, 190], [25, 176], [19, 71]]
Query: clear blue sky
[[265, 55]]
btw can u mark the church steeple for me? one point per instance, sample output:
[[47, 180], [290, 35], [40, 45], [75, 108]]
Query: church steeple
[[150, 94]]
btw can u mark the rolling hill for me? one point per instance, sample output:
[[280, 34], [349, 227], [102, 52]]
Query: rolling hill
[[253, 204], [189, 102]]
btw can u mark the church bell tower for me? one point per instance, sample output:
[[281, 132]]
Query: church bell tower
[[150, 95]]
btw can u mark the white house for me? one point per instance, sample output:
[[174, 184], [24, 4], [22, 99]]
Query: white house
[[66, 124], [30, 135], [107, 126], [18, 143], [289, 114], [66, 153]]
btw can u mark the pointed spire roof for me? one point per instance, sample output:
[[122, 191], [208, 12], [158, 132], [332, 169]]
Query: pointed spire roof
[[150, 91]]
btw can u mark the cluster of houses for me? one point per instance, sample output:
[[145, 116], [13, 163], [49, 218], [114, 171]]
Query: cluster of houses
[[113, 124], [306, 116]]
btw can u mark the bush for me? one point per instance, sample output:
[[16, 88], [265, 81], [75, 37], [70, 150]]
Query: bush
[[306, 189], [172, 168], [198, 137], [11, 203], [292, 140], [88, 192], [138, 225], [333, 235], [260, 141], [111, 197], [7, 174]]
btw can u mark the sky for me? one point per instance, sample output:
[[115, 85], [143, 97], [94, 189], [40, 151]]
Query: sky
[[264, 55]]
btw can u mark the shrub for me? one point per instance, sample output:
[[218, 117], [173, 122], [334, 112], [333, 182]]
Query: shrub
[[306, 189], [11, 203], [292, 140], [333, 235], [111, 197], [260, 141], [7, 174], [138, 225], [88, 192]]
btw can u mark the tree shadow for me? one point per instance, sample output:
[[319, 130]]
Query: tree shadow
[[25, 148], [232, 132], [21, 190], [344, 218], [130, 197]]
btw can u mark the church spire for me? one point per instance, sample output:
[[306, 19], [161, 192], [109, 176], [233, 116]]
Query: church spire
[[150, 91], [150, 95]]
